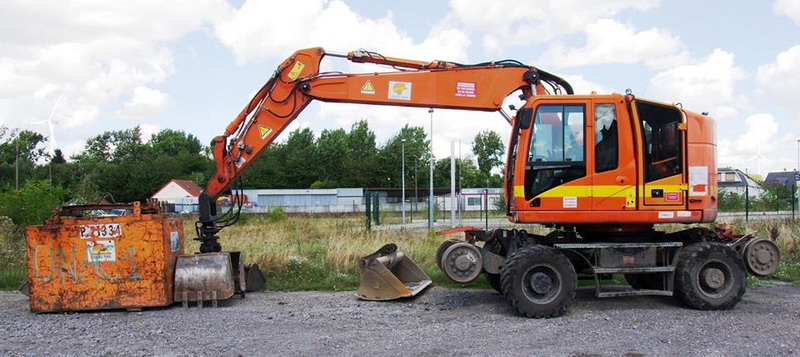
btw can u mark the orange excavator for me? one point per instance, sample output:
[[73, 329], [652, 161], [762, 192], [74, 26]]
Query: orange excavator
[[600, 170]]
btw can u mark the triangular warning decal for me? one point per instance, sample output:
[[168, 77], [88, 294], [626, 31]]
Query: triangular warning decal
[[367, 88], [263, 131]]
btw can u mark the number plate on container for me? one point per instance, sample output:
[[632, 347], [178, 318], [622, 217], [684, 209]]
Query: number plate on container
[[92, 231]]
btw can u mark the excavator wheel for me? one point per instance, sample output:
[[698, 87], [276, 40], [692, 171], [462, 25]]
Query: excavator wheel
[[539, 281], [494, 246], [709, 276]]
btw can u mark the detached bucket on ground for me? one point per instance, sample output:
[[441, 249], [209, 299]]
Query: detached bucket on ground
[[389, 274]]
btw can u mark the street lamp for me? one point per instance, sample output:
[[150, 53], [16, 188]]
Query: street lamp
[[403, 174], [430, 192]]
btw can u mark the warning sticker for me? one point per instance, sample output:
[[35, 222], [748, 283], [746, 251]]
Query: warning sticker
[[101, 251], [465, 89], [367, 88], [570, 202], [698, 180], [666, 215], [295, 72], [672, 196], [400, 90], [94, 231], [263, 131]]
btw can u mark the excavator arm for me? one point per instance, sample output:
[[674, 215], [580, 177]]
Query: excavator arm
[[298, 81]]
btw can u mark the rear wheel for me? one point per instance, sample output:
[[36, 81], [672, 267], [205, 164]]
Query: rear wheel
[[442, 248], [538, 281], [709, 276]]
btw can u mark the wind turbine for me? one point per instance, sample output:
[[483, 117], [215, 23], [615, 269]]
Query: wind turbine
[[50, 124]]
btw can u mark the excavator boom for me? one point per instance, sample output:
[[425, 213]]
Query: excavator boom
[[411, 83]]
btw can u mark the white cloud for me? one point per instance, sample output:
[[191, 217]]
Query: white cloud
[[781, 79], [145, 102], [148, 130], [94, 52], [534, 21], [704, 85], [583, 86], [761, 148], [609, 41], [334, 25], [788, 8], [331, 24]]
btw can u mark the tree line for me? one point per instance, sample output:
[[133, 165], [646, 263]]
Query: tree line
[[122, 166]]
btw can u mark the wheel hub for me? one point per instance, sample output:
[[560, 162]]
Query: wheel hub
[[464, 262], [762, 257], [713, 278], [541, 282]]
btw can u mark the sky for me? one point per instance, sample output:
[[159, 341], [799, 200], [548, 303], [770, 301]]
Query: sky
[[192, 65]]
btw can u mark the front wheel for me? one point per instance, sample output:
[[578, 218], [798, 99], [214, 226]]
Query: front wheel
[[709, 276], [539, 281]]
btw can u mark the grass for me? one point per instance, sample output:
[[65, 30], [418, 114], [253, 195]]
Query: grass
[[298, 252]]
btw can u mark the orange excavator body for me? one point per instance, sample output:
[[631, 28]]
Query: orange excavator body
[[579, 160]]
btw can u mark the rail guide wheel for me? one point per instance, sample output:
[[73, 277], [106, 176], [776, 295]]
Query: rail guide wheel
[[462, 262]]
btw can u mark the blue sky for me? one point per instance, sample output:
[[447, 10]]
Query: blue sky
[[192, 65]]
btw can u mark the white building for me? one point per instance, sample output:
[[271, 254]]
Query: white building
[[183, 194], [735, 181]]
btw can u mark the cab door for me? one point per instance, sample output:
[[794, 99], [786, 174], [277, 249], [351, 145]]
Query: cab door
[[662, 141], [613, 157]]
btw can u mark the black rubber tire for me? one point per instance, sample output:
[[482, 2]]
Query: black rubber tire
[[690, 287], [519, 271], [495, 247], [645, 281], [494, 281]]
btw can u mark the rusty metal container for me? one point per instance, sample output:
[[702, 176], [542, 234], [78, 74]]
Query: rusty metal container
[[103, 257]]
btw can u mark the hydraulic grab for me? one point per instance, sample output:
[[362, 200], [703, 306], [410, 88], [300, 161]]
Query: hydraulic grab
[[600, 170]]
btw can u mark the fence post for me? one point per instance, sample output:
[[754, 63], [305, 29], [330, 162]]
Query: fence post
[[376, 211], [367, 208], [747, 202], [486, 206]]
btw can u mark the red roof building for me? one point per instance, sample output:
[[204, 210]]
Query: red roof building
[[177, 189]]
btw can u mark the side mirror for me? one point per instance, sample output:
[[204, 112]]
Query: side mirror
[[524, 117]]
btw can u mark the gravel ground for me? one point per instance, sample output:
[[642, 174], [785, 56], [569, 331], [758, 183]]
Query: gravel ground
[[438, 322]]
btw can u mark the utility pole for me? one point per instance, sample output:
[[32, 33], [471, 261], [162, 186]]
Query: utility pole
[[452, 184], [430, 193], [16, 166], [403, 174]]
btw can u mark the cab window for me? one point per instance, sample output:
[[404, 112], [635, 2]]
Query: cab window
[[662, 140], [556, 154], [606, 140]]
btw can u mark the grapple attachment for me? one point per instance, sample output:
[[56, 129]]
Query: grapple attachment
[[389, 274], [202, 277]]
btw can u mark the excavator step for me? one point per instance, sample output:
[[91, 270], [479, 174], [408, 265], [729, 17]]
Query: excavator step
[[634, 293], [666, 269]]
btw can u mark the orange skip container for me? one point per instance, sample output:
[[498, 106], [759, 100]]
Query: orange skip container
[[103, 257]]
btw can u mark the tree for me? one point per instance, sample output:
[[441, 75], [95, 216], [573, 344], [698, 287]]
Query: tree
[[32, 203], [488, 149], [390, 156], [359, 166], [329, 150], [174, 142], [24, 145]]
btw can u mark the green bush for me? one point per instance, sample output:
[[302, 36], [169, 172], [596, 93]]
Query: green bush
[[276, 214], [32, 203]]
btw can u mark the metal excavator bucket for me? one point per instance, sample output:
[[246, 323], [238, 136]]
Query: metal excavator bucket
[[389, 274], [214, 277]]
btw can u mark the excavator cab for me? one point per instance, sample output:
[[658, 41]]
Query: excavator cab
[[574, 162]]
